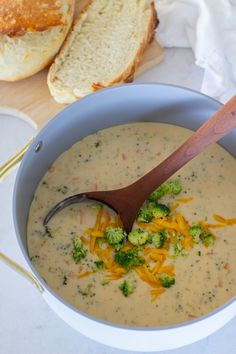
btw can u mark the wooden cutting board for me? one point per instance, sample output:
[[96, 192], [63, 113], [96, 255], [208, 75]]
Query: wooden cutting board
[[32, 95]]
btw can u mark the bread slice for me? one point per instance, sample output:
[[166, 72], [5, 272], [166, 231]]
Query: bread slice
[[103, 48], [31, 34]]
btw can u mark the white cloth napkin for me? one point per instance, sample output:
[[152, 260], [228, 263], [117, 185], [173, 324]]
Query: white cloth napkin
[[209, 28]]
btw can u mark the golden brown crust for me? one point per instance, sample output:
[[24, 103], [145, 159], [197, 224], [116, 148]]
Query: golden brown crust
[[81, 7], [20, 16], [128, 75], [96, 86]]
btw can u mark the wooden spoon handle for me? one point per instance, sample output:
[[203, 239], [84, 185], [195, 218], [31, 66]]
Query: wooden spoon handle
[[221, 123]]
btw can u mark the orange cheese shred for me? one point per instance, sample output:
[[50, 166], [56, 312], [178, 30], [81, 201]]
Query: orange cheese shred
[[156, 293], [98, 219], [145, 275], [106, 223], [160, 251], [215, 226], [224, 221], [182, 224], [88, 231], [85, 274], [166, 224], [157, 257], [118, 221], [156, 268], [184, 200], [92, 244], [84, 240], [113, 276], [97, 234], [175, 206], [187, 242], [169, 269], [220, 219]]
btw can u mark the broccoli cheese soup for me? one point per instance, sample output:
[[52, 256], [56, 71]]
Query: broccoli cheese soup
[[179, 261]]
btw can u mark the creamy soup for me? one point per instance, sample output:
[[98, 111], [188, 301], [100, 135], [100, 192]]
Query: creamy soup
[[205, 277]]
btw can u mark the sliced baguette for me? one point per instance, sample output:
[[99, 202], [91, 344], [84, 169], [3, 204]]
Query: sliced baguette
[[103, 48]]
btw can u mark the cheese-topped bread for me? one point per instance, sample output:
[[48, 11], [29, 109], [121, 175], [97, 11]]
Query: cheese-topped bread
[[31, 33], [103, 48]]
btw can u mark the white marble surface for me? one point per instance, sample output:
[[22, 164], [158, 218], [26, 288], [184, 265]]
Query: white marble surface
[[27, 324], [177, 68]]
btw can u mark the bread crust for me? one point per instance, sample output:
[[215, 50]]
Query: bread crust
[[20, 17], [27, 44], [66, 95]]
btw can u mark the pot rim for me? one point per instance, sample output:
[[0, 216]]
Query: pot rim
[[24, 250]]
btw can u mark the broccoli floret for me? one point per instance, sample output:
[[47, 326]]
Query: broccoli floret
[[118, 246], [196, 231], [177, 249], [199, 234], [178, 236], [208, 240], [170, 187], [100, 241], [127, 287], [160, 211], [105, 282], [165, 234], [145, 213], [138, 237], [174, 186], [128, 259], [149, 239], [96, 206], [78, 251], [99, 265], [166, 280], [152, 210], [87, 291], [114, 235], [158, 240]]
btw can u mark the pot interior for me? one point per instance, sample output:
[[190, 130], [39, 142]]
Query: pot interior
[[123, 104]]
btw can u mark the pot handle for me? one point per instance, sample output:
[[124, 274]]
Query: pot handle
[[4, 169], [7, 166], [22, 271]]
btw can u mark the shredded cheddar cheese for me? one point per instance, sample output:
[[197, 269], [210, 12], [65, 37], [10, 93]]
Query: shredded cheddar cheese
[[85, 274], [175, 206], [156, 268], [176, 228], [184, 200], [84, 240], [224, 221]]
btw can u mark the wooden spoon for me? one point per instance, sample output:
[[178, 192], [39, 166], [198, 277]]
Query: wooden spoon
[[128, 200]]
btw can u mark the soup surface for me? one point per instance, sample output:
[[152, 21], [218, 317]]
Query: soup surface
[[205, 277]]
